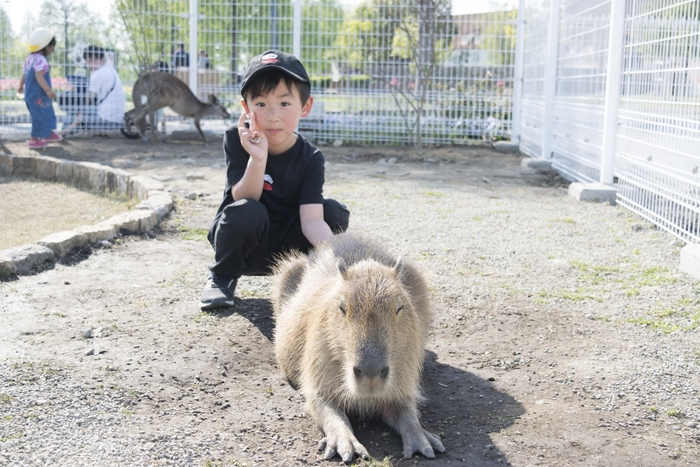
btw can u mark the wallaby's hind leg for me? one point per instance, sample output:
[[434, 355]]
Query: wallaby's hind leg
[[152, 122], [196, 124]]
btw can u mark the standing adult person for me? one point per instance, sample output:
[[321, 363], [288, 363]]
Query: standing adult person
[[181, 58], [105, 91]]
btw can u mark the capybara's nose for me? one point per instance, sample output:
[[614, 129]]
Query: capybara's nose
[[370, 371]]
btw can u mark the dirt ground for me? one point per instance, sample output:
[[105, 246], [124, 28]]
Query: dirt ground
[[563, 333]]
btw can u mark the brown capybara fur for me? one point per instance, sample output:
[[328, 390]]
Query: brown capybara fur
[[351, 328]]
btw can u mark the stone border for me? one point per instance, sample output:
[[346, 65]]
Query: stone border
[[155, 204]]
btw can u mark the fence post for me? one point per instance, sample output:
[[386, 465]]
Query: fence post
[[194, 52], [616, 39], [194, 46], [296, 39], [518, 73], [550, 79]]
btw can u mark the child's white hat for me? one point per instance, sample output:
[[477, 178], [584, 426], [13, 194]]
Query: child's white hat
[[39, 39]]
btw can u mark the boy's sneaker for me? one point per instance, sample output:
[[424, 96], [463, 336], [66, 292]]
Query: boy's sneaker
[[54, 138], [218, 292], [37, 143]]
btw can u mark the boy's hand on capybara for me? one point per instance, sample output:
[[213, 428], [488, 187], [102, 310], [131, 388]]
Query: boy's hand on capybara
[[343, 443]]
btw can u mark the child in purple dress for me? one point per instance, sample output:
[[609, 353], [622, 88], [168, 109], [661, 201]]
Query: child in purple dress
[[35, 83]]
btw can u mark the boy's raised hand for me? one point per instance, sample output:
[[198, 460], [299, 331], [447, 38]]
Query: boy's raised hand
[[252, 140]]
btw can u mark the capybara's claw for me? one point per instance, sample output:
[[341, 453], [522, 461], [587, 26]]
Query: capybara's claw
[[348, 456], [426, 445], [347, 449]]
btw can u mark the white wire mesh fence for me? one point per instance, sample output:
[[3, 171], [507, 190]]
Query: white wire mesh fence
[[659, 138], [656, 126], [383, 72]]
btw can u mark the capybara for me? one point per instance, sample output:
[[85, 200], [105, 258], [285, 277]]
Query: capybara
[[350, 333]]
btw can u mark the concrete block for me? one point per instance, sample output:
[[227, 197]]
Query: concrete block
[[116, 181], [26, 257], [89, 176], [141, 185], [64, 243], [24, 166], [46, 168], [98, 232], [159, 202], [6, 164], [597, 192], [537, 165], [64, 171], [508, 147], [690, 260], [140, 220]]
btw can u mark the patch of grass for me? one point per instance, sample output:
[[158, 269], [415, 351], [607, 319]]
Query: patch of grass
[[5, 398], [193, 233], [656, 276], [435, 194], [671, 318], [657, 325], [386, 462], [59, 206], [575, 295], [592, 273], [477, 218], [8, 438], [565, 220], [673, 412]]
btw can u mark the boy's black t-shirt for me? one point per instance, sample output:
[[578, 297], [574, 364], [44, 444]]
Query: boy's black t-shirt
[[292, 178]]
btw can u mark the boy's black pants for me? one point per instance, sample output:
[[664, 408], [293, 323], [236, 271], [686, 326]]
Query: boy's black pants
[[246, 242]]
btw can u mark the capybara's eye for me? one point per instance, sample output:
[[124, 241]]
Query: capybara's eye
[[399, 306], [342, 306]]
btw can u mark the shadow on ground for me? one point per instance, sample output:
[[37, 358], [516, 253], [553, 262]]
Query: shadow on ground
[[462, 408]]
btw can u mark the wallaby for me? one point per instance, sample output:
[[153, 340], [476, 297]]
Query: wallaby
[[156, 90]]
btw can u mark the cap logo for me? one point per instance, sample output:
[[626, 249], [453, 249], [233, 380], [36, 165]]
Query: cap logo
[[268, 58]]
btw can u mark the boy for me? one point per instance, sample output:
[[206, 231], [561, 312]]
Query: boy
[[273, 201]]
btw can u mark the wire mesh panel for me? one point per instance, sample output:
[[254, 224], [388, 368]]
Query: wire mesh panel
[[535, 50], [382, 71], [659, 133], [580, 94]]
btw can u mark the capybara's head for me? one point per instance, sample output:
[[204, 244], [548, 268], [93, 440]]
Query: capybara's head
[[381, 347]]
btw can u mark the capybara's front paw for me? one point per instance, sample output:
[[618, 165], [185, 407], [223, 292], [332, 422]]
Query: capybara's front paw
[[343, 444], [424, 442]]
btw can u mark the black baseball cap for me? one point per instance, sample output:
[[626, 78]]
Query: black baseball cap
[[275, 59]]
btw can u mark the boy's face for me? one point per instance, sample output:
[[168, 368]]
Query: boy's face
[[277, 116]]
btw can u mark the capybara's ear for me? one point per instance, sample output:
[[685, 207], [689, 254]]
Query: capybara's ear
[[342, 268], [398, 266]]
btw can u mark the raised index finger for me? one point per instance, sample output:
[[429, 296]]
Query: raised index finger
[[253, 122]]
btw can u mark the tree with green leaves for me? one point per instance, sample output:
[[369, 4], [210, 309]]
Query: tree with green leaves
[[382, 33], [71, 23]]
